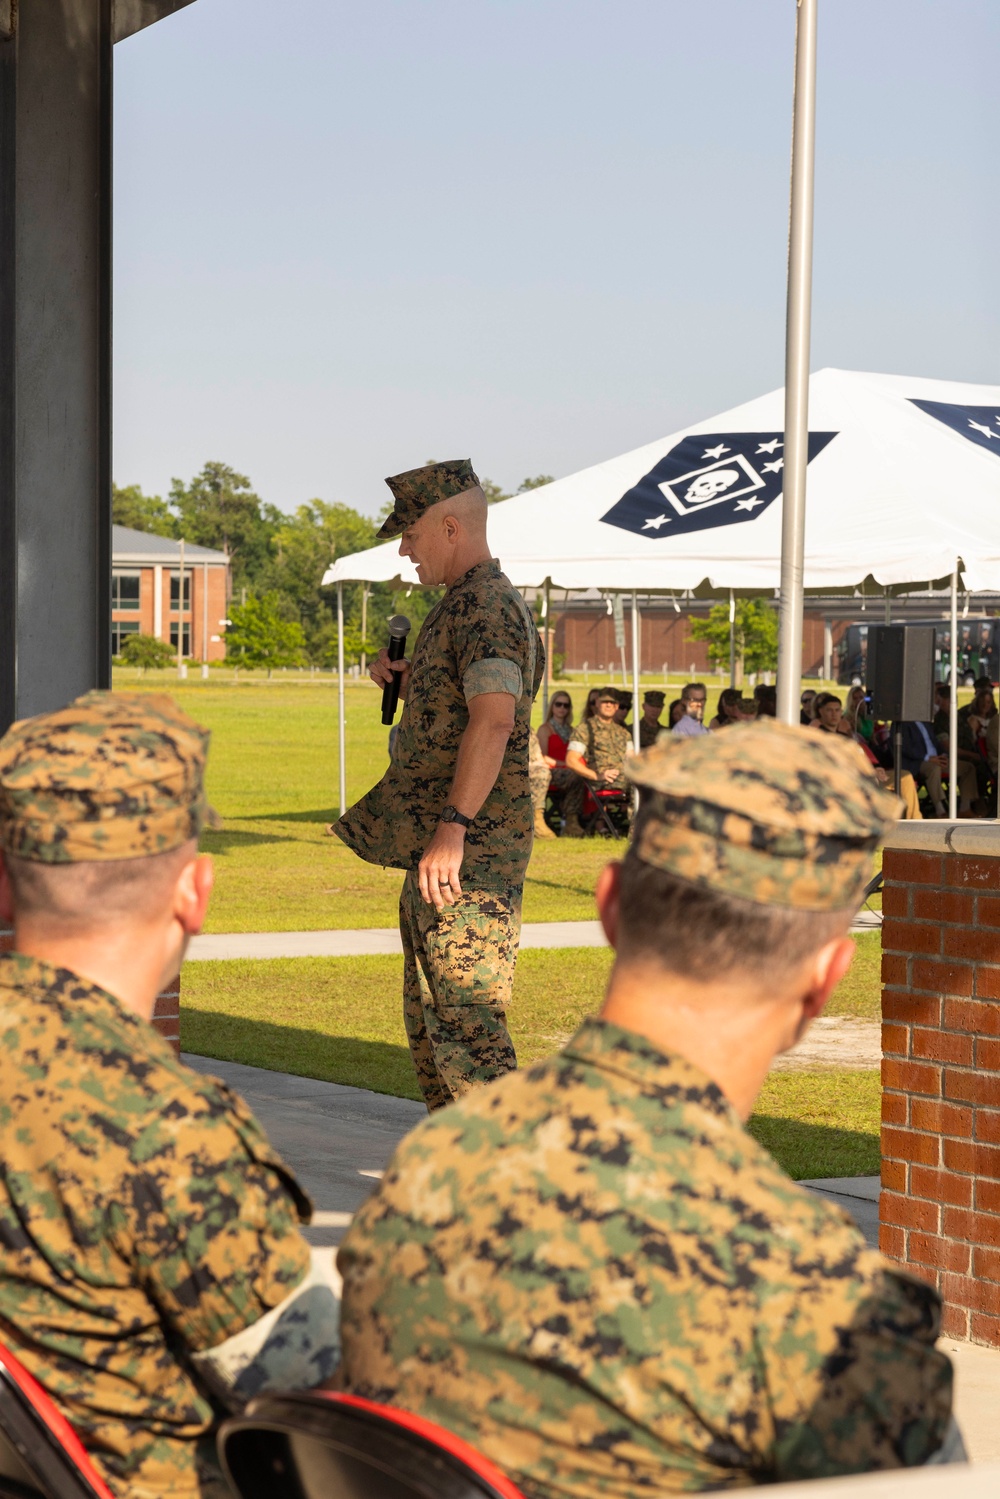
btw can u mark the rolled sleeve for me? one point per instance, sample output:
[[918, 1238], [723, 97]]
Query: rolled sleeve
[[492, 674]]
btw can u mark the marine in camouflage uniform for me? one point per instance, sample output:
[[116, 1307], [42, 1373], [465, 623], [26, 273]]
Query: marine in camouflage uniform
[[650, 727], [458, 961], [604, 745], [145, 1221], [593, 1273], [540, 779]]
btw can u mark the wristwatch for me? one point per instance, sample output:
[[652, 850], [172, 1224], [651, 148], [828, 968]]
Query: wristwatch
[[452, 814]]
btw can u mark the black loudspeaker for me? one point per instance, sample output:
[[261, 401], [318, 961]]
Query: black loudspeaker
[[901, 672]]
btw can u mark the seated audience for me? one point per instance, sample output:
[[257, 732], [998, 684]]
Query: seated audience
[[922, 759], [857, 715], [151, 1244], [591, 705], [729, 710], [766, 699], [624, 709], [590, 1270], [971, 718], [829, 715], [596, 754], [807, 703], [674, 714], [554, 730], [649, 724], [540, 769], [693, 699]]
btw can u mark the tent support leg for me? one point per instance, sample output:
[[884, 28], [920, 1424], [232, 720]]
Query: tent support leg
[[796, 446], [545, 641], [953, 702], [732, 638], [636, 673], [340, 699]]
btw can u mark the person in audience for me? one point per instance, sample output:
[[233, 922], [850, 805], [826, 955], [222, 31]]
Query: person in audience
[[690, 725], [729, 710], [674, 714], [971, 717], [540, 768], [857, 715], [596, 754], [922, 759], [624, 709], [554, 730], [591, 1271], [152, 1258], [829, 715], [766, 698], [807, 705], [591, 706], [650, 727]]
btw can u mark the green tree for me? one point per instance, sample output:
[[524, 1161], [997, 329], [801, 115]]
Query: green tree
[[147, 653], [143, 512], [493, 492], [220, 509], [259, 635], [535, 483], [755, 634]]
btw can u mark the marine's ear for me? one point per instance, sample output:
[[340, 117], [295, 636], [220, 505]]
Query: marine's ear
[[608, 897]]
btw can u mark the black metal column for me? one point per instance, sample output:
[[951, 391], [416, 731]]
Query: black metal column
[[55, 354]]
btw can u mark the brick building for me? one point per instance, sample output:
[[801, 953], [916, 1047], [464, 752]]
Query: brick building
[[146, 593]]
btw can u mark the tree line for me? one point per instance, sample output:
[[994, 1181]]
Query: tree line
[[280, 614]]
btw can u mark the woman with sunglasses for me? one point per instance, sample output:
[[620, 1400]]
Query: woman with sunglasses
[[553, 737]]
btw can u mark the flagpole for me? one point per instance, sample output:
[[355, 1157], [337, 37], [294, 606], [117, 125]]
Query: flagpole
[[797, 327]]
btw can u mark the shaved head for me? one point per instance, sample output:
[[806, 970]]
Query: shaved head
[[93, 894]]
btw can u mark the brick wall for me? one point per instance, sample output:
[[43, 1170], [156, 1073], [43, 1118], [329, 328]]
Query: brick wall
[[940, 1202]]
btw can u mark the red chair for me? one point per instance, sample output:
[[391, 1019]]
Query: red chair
[[325, 1446], [41, 1456]]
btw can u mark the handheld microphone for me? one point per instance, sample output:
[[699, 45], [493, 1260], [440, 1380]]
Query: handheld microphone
[[399, 628]]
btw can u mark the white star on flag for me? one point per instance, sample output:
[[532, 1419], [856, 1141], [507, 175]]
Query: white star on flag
[[656, 523], [773, 468], [748, 503], [716, 452], [769, 447], [981, 427]]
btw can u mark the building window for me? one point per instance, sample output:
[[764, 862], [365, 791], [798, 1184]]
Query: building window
[[125, 590], [120, 629], [186, 647], [175, 590]]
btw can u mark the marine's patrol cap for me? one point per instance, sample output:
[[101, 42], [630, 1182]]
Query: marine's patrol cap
[[625, 700], [116, 775], [777, 815], [420, 488], [655, 699], [609, 695]]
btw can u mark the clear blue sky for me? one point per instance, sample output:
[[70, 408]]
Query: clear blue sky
[[350, 238]]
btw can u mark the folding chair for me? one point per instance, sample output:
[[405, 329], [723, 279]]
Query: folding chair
[[41, 1456], [610, 808], [325, 1446]]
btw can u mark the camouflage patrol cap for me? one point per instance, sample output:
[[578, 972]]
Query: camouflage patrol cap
[[655, 699], [608, 695], [777, 815], [115, 775], [420, 488]]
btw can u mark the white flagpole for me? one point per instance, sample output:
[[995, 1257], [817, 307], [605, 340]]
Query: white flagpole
[[636, 672], [341, 736], [797, 327], [953, 702]]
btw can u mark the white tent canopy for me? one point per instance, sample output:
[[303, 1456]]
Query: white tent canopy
[[904, 478]]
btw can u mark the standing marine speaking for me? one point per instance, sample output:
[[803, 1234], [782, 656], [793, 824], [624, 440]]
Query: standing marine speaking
[[454, 807]]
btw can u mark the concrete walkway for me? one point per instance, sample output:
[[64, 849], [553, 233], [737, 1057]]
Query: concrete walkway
[[366, 941]]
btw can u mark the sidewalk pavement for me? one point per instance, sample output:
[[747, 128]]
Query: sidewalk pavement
[[366, 941], [339, 1141]]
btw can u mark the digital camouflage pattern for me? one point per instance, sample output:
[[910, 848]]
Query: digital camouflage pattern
[[116, 775], [773, 814], [605, 745], [420, 488], [593, 1273], [480, 627], [539, 774], [143, 1217], [458, 972], [648, 733]]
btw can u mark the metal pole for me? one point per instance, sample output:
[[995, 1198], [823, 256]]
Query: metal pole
[[953, 703], [796, 446], [888, 605], [545, 643], [636, 672], [341, 737], [732, 638]]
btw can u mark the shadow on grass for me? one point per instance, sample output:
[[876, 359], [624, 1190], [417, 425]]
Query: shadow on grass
[[329, 814], [808, 1150], [378, 1065], [221, 840], [587, 890]]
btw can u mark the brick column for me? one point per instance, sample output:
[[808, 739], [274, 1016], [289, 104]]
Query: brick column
[[166, 1012], [940, 1203]]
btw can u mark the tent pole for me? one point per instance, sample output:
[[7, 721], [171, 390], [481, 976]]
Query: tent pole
[[636, 672], [340, 698], [953, 702], [732, 638], [545, 643], [796, 445]]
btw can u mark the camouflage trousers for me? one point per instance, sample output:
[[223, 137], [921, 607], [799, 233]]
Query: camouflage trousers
[[458, 971], [539, 778]]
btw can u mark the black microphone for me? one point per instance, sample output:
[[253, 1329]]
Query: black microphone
[[399, 628]]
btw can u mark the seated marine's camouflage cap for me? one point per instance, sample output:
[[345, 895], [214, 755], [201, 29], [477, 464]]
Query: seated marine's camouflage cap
[[420, 488], [777, 815], [655, 699], [609, 695], [115, 775]]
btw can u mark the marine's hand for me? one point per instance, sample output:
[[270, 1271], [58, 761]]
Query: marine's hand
[[441, 865], [612, 774], [382, 668]]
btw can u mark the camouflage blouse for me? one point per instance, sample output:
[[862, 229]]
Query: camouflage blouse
[[479, 638], [591, 1272], [143, 1215], [606, 744]]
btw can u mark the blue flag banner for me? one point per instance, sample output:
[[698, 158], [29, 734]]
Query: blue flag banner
[[980, 424], [707, 480]]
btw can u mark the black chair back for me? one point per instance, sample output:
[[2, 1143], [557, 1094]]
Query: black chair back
[[41, 1456]]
